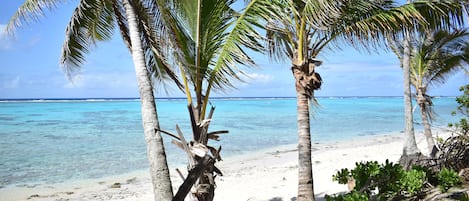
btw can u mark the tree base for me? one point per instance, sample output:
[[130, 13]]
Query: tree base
[[409, 160]]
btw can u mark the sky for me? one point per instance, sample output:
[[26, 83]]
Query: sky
[[29, 68]]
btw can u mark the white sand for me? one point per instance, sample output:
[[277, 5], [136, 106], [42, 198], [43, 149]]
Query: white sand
[[269, 175]]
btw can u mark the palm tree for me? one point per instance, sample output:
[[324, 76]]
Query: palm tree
[[208, 40], [450, 12], [304, 28], [435, 56], [95, 20], [410, 148]]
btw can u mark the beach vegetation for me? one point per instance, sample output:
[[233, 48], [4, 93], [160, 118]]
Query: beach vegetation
[[454, 154], [352, 196], [462, 126], [199, 45], [96, 20], [436, 55], [389, 181], [448, 178], [208, 42], [448, 16], [306, 28]]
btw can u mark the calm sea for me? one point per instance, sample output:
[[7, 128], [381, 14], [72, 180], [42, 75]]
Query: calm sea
[[50, 141]]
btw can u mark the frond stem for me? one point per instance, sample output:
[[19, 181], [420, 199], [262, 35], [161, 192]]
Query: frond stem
[[186, 85], [218, 63], [301, 41], [198, 85]]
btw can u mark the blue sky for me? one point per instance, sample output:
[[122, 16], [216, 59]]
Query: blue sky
[[29, 68]]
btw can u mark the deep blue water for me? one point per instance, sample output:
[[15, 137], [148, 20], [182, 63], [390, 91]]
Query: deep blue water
[[51, 141]]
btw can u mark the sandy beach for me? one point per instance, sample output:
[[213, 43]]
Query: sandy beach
[[267, 175]]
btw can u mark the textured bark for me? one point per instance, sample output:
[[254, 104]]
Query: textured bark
[[159, 171], [305, 169], [410, 145], [409, 160], [194, 174], [426, 125]]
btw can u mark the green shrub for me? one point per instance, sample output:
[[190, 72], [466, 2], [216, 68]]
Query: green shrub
[[448, 178], [352, 196], [463, 108], [371, 176], [388, 181], [413, 181]]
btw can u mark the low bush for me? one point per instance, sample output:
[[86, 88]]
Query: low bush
[[448, 178], [389, 181]]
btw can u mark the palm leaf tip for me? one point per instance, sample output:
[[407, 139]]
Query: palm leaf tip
[[30, 11]]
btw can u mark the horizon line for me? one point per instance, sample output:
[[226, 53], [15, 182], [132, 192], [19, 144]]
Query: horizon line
[[218, 97]]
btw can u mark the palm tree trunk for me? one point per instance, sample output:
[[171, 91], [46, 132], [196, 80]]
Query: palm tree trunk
[[426, 126], [305, 166], [410, 145], [159, 170]]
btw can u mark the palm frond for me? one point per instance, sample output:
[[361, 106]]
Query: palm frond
[[370, 23], [122, 23], [91, 21], [279, 42], [447, 56], [30, 11], [281, 30], [396, 47], [156, 54], [441, 14], [242, 34], [174, 30], [322, 14]]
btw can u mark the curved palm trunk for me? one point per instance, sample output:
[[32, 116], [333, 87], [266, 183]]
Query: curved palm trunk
[[426, 125], [410, 145], [305, 166], [159, 171]]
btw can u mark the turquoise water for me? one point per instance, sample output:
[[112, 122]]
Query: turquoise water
[[45, 142]]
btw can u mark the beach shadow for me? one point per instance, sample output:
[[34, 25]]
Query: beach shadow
[[322, 196], [280, 199], [319, 197], [276, 199]]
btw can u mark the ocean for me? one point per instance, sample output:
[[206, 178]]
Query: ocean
[[53, 141]]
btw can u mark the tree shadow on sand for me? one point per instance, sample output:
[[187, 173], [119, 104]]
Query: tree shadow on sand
[[319, 197], [281, 199]]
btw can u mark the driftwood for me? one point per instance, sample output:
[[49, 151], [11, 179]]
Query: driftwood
[[435, 194]]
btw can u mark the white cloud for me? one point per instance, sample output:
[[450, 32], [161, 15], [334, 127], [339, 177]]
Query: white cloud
[[259, 78], [92, 80]]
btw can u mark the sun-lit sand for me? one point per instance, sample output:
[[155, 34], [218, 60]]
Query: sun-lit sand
[[268, 175]]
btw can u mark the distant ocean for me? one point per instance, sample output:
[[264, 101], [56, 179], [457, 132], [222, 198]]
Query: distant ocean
[[51, 141]]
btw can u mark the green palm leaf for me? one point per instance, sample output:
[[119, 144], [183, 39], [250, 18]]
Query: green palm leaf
[[242, 33], [91, 21], [154, 46], [30, 11]]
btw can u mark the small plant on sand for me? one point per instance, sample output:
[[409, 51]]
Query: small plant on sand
[[413, 181], [448, 178], [389, 181], [352, 196]]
